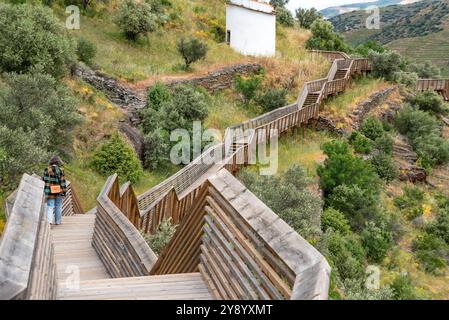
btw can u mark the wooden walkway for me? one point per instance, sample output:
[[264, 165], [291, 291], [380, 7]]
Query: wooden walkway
[[72, 242], [188, 286]]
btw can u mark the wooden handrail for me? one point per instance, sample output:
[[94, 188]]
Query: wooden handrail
[[22, 263]]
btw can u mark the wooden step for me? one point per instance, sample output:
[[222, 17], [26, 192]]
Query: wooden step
[[189, 286]]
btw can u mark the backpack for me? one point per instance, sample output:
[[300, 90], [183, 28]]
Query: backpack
[[55, 188]]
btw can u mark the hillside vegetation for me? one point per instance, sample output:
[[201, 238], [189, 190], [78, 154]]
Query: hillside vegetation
[[342, 193], [418, 31]]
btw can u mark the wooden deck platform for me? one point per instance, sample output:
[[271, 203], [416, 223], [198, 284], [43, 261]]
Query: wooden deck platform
[[72, 242], [190, 286]]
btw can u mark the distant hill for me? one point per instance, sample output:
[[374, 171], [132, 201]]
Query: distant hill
[[337, 10], [419, 30], [397, 22]]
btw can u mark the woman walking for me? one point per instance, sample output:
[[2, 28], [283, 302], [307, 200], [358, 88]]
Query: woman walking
[[55, 189]]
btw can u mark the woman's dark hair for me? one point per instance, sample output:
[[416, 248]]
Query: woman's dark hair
[[56, 160]]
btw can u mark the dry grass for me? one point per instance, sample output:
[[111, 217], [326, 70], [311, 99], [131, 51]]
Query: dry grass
[[306, 153]]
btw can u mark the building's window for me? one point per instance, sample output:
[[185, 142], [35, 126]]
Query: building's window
[[228, 37]]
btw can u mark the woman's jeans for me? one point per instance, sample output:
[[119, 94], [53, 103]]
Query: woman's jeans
[[54, 206]]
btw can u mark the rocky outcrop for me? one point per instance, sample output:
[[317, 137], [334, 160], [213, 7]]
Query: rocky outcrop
[[363, 109], [134, 137], [406, 158], [116, 92], [220, 79]]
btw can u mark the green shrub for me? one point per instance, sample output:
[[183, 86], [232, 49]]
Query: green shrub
[[157, 95], [20, 152], [385, 167], [306, 17], [86, 51], [162, 237], [372, 128], [288, 196], [324, 37], [343, 168], [157, 150], [413, 196], [356, 204], [376, 241], [191, 50], [116, 156], [409, 79], [360, 143], [345, 254], [385, 144], [272, 99], [429, 101], [33, 40], [386, 64], [425, 70], [440, 227], [284, 17], [42, 106], [135, 18], [336, 220], [403, 288], [431, 251], [424, 133], [248, 86], [371, 45]]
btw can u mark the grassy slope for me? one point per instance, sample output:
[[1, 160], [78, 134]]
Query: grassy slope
[[434, 47]]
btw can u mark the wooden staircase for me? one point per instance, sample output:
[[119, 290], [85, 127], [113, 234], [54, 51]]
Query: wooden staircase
[[188, 286], [311, 98], [341, 73]]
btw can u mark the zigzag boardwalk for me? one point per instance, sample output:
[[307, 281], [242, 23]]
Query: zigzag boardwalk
[[229, 245]]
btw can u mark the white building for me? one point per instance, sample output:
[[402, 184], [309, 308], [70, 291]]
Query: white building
[[251, 27]]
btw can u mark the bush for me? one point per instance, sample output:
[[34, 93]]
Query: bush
[[20, 152], [116, 156], [385, 166], [248, 86], [335, 220], [360, 143], [371, 45], [429, 101], [425, 70], [424, 133], [356, 204], [272, 99], [33, 40], [386, 64], [324, 37], [157, 95], [86, 51], [403, 288], [307, 16], [342, 168], [288, 196], [385, 144], [345, 254], [440, 227], [284, 17], [42, 107], [376, 241], [431, 251], [157, 150], [372, 128], [409, 79], [158, 241], [191, 50], [184, 105], [135, 18]]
